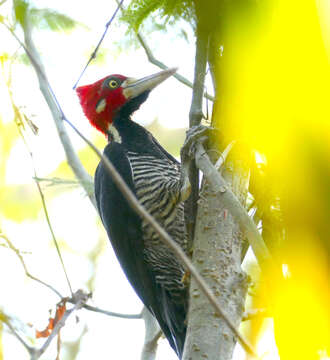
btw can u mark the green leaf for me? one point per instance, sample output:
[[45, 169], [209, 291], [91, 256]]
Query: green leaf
[[139, 10], [22, 59], [51, 20], [20, 11]]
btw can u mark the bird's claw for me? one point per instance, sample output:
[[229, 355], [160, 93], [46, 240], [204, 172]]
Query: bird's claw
[[195, 134]]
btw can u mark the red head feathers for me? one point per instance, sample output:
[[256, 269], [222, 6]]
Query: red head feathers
[[102, 100]]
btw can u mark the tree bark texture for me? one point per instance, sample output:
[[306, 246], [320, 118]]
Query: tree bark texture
[[217, 255]]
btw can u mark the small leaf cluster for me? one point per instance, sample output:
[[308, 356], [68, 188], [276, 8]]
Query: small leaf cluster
[[173, 10], [42, 18]]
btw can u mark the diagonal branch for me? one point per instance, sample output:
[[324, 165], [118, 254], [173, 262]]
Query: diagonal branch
[[111, 313], [81, 299], [161, 65], [230, 201], [57, 113], [27, 273], [43, 201], [255, 313], [71, 300], [5, 319], [93, 55]]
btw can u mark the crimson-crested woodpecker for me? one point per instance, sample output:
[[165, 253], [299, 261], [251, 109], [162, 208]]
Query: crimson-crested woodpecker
[[157, 180]]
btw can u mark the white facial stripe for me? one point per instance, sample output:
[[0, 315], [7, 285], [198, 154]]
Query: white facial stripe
[[101, 106], [115, 134]]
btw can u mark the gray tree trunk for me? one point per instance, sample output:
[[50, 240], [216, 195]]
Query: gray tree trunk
[[217, 255]]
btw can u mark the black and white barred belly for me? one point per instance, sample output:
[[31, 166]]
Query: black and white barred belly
[[157, 184]]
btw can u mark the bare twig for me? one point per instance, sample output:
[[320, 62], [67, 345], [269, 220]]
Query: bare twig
[[231, 202], [223, 155], [93, 55], [27, 273], [52, 231], [56, 111], [19, 123], [111, 313], [70, 300], [58, 181], [43, 201], [140, 210], [254, 313], [81, 298], [5, 319], [160, 64]]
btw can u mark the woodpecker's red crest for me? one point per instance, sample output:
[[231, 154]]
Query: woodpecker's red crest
[[102, 100]]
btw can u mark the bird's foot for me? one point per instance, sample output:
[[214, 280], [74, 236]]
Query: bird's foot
[[194, 135]]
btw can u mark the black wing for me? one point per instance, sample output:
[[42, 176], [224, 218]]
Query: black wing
[[124, 229]]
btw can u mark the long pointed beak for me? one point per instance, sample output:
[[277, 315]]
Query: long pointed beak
[[132, 87]]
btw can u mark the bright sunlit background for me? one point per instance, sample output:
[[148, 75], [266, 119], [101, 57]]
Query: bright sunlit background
[[88, 257]]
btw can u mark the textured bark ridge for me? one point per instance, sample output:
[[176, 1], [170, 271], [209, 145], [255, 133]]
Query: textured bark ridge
[[217, 255]]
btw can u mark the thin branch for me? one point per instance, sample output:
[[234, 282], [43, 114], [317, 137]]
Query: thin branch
[[195, 117], [27, 273], [111, 313], [234, 206], [19, 123], [158, 63], [57, 181], [140, 210], [255, 313], [161, 65], [5, 320], [223, 156], [52, 232], [81, 298], [56, 111], [70, 300], [93, 55], [43, 201]]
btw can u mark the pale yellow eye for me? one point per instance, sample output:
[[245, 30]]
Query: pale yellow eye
[[112, 84]]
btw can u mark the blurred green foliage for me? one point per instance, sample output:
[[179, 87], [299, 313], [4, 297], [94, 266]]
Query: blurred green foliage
[[172, 10], [42, 19]]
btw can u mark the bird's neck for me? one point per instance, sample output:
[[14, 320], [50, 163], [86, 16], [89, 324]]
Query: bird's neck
[[113, 134], [135, 138], [131, 135]]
